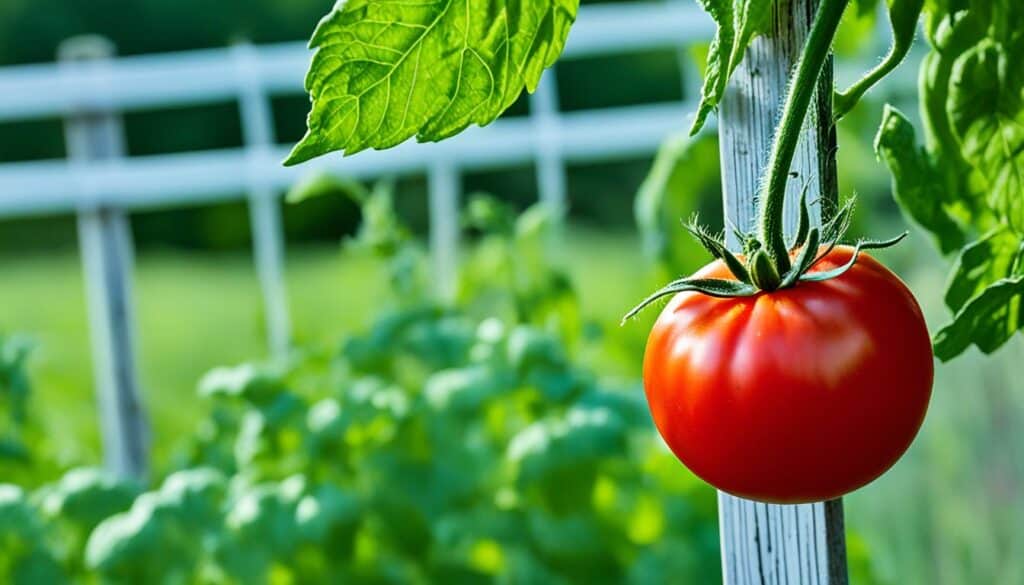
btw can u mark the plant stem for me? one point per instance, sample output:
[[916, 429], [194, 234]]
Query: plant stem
[[808, 69]]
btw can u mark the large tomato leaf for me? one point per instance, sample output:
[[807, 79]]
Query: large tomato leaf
[[387, 70], [987, 320], [981, 264], [916, 184], [986, 110], [968, 177]]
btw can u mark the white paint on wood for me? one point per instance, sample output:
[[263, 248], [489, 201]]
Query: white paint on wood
[[95, 134], [264, 204], [444, 187], [765, 544], [551, 175]]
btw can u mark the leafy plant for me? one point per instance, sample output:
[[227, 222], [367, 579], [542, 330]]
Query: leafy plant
[[964, 184], [24, 450], [450, 443]]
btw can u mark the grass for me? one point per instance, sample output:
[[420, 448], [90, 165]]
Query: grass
[[950, 512], [196, 311]]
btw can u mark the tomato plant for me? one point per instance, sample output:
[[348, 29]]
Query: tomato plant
[[802, 394], [966, 184]]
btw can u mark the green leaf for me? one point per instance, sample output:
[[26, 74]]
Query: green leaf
[[752, 19], [739, 21], [462, 390], [387, 70], [164, 532], [986, 110], [987, 321], [324, 184], [716, 71], [253, 382], [916, 185], [903, 16], [981, 264], [328, 513], [85, 497], [566, 538], [581, 437], [685, 172]]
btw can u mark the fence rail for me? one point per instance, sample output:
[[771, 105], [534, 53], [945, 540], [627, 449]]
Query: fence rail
[[195, 77], [54, 186]]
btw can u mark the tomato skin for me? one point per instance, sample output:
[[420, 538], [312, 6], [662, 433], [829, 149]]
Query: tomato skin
[[798, 395]]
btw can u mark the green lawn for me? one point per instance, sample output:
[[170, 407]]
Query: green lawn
[[200, 310]]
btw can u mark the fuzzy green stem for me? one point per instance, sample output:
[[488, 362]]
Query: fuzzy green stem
[[808, 69]]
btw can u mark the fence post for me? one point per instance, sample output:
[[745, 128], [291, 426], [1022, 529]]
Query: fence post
[[94, 136], [551, 179], [444, 186], [264, 207], [761, 543]]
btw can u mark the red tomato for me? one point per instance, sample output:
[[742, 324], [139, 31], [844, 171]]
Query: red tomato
[[797, 395]]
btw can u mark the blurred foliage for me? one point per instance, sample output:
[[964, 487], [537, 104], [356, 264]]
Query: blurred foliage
[[440, 446], [683, 182], [24, 453]]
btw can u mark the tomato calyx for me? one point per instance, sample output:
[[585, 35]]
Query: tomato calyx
[[761, 273]]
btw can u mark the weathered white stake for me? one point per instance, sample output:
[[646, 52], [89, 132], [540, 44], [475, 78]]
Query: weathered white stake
[[94, 134], [766, 544]]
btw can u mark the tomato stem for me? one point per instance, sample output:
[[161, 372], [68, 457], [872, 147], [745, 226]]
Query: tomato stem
[[808, 69]]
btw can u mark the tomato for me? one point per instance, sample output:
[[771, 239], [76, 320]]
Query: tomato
[[797, 395]]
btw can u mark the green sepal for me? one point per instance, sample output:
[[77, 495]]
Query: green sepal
[[763, 271], [804, 223], [866, 244], [713, 287], [716, 247], [836, 226], [839, 271], [804, 261]]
